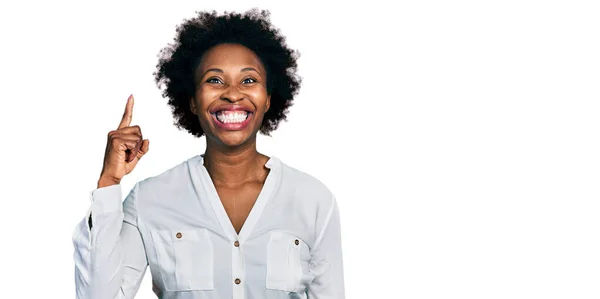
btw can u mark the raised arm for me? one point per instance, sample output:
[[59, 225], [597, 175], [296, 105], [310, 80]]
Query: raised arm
[[110, 259]]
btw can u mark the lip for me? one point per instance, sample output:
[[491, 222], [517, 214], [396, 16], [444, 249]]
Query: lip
[[231, 107], [231, 126]]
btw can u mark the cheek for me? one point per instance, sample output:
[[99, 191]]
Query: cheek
[[260, 98], [204, 96]]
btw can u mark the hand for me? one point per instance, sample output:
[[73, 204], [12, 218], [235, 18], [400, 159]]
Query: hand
[[124, 148]]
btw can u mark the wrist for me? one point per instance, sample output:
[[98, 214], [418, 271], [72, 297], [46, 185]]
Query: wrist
[[105, 182]]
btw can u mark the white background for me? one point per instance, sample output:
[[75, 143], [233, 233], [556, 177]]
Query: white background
[[461, 138]]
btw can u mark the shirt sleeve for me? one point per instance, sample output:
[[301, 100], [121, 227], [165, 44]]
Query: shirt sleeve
[[326, 260], [110, 259]]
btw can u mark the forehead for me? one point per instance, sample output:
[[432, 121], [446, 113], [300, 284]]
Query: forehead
[[229, 55]]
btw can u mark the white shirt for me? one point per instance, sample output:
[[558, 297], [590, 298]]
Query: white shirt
[[289, 246]]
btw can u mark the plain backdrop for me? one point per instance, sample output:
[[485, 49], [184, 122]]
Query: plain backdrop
[[461, 138]]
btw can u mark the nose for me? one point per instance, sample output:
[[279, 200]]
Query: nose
[[232, 94]]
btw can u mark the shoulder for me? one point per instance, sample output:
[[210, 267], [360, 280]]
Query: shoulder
[[306, 186]]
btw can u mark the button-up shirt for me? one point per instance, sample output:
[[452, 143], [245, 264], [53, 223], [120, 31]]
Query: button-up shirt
[[175, 225]]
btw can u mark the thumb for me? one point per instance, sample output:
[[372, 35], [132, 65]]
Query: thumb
[[144, 148]]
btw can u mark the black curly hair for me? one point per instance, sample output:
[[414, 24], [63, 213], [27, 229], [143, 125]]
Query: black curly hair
[[178, 61]]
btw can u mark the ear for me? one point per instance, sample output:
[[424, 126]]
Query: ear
[[193, 105], [268, 103]]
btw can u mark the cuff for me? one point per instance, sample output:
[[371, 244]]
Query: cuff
[[106, 200]]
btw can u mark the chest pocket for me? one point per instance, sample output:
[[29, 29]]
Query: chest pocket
[[287, 257], [185, 258]]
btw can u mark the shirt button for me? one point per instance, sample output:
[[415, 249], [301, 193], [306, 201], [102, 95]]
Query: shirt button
[[236, 243], [237, 281], [296, 242], [178, 235]]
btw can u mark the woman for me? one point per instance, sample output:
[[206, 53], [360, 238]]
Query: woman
[[231, 223]]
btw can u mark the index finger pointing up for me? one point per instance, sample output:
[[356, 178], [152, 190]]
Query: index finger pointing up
[[126, 121]]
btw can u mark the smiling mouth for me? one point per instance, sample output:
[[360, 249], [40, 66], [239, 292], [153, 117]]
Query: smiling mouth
[[231, 117]]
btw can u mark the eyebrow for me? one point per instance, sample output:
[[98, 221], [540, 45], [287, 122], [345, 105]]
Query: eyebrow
[[217, 70], [249, 69]]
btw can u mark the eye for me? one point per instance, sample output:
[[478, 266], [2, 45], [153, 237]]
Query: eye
[[249, 80], [214, 80]]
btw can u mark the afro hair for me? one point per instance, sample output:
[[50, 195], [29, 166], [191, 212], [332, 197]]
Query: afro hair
[[178, 61]]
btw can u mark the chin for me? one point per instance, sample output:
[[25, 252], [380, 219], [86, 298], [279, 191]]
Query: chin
[[233, 139]]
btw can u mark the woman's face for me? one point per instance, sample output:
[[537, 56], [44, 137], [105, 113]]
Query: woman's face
[[231, 94]]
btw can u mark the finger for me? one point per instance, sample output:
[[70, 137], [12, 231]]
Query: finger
[[127, 115], [132, 136], [144, 148], [129, 130], [133, 153], [140, 151], [125, 147], [123, 144]]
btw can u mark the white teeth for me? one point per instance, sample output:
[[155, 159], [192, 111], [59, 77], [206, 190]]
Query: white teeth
[[229, 117]]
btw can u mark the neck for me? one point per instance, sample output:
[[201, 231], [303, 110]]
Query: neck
[[230, 166]]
